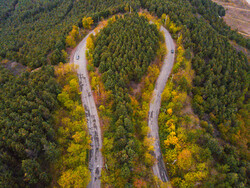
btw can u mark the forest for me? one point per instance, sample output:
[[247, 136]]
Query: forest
[[44, 135], [31, 33], [204, 117], [27, 133], [187, 161], [219, 91], [71, 166], [122, 51]]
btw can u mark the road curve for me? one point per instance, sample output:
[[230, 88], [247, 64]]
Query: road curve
[[159, 168], [95, 156]]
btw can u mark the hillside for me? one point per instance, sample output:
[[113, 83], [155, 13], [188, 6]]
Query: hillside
[[237, 15], [29, 32], [127, 93]]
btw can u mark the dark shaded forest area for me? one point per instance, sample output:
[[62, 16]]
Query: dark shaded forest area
[[27, 143]]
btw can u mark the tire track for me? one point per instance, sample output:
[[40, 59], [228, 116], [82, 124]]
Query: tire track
[[159, 168]]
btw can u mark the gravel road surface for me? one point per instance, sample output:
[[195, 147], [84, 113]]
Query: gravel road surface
[[159, 168], [95, 156], [96, 159]]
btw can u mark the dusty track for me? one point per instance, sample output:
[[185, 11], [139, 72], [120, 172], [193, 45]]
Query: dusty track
[[96, 159], [159, 168], [95, 156]]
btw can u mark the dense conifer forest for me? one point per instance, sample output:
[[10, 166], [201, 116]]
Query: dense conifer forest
[[204, 117], [27, 141], [122, 52], [31, 33]]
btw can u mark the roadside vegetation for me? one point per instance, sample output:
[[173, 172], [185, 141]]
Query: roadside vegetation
[[187, 162], [125, 144], [201, 150], [204, 119], [71, 167]]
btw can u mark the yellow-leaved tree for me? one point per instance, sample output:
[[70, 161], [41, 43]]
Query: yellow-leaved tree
[[73, 37], [79, 177], [87, 22], [184, 160]]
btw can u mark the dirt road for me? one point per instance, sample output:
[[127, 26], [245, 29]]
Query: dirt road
[[96, 159], [95, 156], [159, 167]]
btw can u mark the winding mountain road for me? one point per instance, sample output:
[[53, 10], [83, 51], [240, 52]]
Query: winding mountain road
[[95, 156], [96, 159], [159, 168]]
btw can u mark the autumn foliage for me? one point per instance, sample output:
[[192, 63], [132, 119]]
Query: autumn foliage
[[71, 168], [126, 150], [87, 22], [73, 37]]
